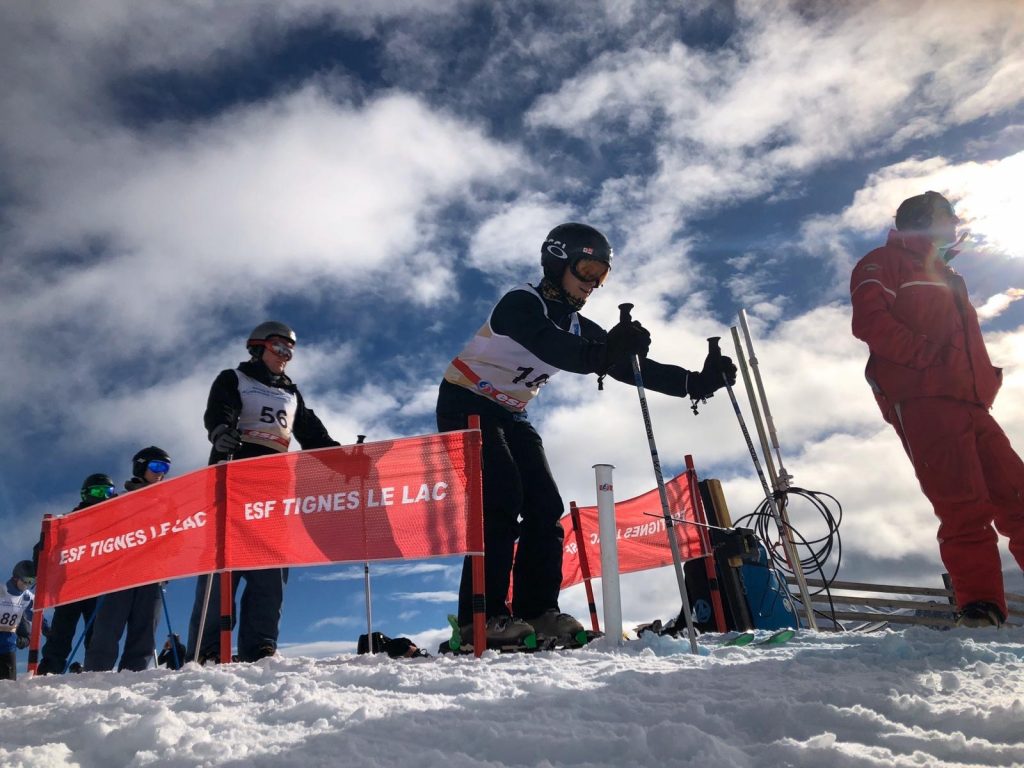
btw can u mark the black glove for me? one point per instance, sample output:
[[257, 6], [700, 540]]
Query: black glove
[[710, 379], [626, 339], [21, 642], [225, 439]]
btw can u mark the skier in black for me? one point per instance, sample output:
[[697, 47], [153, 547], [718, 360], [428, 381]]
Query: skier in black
[[132, 612], [95, 489], [532, 333], [254, 410]]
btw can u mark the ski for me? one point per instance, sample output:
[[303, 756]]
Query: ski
[[781, 637], [456, 645]]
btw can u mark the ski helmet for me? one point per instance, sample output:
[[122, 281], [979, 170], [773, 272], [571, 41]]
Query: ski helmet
[[916, 213], [141, 460], [569, 243], [97, 480], [263, 332], [25, 571]]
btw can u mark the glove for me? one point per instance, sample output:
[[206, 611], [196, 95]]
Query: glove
[[710, 379], [225, 439], [625, 340], [21, 642]]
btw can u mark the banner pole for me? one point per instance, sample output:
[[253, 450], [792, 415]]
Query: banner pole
[[41, 582], [202, 615], [574, 515], [227, 597], [609, 552], [475, 533]]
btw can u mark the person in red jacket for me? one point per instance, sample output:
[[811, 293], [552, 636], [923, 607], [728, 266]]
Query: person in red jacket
[[932, 378]]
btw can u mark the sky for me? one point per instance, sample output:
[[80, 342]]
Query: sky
[[172, 174], [888, 699]]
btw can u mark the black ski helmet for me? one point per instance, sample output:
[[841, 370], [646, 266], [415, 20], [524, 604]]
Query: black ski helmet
[[265, 331], [569, 243], [97, 479], [146, 455], [915, 213], [24, 570]]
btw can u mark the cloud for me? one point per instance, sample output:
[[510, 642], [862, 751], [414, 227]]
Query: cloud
[[999, 303]]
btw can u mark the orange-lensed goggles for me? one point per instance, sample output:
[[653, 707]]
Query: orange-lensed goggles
[[590, 271]]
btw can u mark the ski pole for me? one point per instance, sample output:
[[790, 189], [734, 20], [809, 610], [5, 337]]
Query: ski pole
[[787, 543], [167, 618], [85, 631], [360, 439], [677, 561]]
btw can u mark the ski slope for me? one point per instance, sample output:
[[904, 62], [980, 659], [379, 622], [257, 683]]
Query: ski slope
[[917, 697]]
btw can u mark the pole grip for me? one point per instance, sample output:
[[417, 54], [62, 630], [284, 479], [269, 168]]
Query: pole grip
[[713, 347], [624, 310]]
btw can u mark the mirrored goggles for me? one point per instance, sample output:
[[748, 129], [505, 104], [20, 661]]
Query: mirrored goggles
[[98, 492], [158, 467], [28, 581], [590, 271], [279, 348]]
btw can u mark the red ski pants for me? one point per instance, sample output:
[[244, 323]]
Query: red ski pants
[[974, 480]]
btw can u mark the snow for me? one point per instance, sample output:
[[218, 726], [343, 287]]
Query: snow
[[916, 697]]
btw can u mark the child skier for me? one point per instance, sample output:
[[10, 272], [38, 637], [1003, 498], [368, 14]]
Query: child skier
[[533, 332]]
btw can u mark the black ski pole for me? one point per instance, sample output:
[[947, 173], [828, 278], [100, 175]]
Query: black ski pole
[[677, 561], [715, 351]]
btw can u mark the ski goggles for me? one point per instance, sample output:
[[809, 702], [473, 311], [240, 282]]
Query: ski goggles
[[158, 467], [590, 271], [282, 349], [28, 581], [98, 492]]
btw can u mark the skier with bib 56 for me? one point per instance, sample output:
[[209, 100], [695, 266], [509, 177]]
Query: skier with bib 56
[[254, 410], [532, 333]]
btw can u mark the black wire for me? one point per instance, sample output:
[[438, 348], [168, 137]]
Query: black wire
[[813, 554]]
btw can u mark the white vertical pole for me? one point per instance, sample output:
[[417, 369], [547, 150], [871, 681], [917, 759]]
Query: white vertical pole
[[612, 597]]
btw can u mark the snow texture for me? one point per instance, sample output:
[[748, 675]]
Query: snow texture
[[917, 697]]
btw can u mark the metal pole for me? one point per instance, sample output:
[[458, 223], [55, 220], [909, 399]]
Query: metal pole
[[784, 477], [755, 412], [170, 632], [787, 543], [366, 586], [202, 616], [609, 552], [677, 562]]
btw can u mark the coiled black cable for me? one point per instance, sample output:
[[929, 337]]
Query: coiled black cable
[[815, 553]]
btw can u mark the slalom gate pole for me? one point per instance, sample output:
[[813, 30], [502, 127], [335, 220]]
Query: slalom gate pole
[[476, 524], [36, 632], [677, 562], [710, 562], [170, 632], [787, 542], [607, 530], [574, 515], [85, 631], [366, 583]]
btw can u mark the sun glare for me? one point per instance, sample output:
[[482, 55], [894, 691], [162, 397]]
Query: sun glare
[[991, 209]]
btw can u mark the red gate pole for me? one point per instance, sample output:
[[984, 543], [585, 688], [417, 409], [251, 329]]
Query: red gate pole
[[710, 565], [574, 513], [226, 597], [37, 612], [475, 534]]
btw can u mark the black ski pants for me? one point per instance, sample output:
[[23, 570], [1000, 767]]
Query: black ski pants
[[521, 501], [133, 613], [9, 666], [62, 635], [259, 616]]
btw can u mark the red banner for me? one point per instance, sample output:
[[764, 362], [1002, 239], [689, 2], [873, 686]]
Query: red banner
[[641, 532], [416, 497]]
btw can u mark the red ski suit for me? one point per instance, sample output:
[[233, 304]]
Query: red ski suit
[[934, 382]]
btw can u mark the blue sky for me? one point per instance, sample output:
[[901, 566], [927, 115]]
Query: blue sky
[[173, 174]]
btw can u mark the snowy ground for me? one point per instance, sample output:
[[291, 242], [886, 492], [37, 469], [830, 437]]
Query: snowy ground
[[897, 698]]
